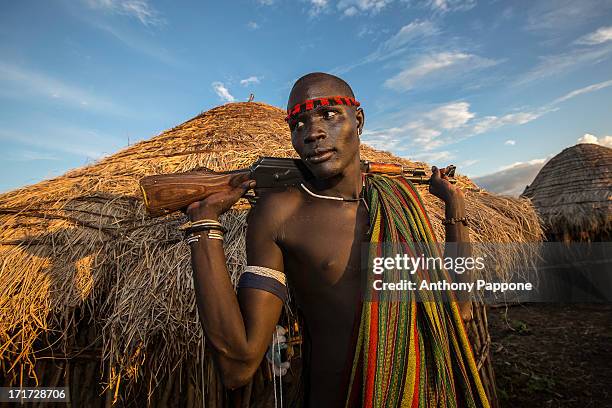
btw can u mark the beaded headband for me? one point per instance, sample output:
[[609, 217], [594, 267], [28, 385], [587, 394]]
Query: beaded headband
[[314, 103]]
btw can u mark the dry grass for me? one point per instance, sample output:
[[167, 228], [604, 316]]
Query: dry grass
[[573, 191], [83, 240]]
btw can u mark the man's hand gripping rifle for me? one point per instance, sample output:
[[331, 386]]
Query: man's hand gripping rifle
[[166, 193]]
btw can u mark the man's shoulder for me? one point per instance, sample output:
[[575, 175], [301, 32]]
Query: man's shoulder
[[277, 205]]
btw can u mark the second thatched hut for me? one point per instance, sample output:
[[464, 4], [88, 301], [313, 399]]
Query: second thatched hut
[[573, 194]]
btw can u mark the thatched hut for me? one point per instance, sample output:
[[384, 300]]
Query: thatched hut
[[96, 296], [573, 194]]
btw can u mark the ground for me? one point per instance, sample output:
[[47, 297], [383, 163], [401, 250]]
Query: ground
[[553, 355]]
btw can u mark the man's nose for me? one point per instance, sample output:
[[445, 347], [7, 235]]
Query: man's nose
[[316, 132]]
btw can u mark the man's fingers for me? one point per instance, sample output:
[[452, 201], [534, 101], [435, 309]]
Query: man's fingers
[[239, 179], [447, 170], [248, 184], [436, 172], [190, 207]]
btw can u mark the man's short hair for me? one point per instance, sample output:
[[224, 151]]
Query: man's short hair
[[341, 88]]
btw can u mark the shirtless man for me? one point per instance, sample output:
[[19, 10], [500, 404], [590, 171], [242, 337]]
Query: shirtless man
[[315, 242]]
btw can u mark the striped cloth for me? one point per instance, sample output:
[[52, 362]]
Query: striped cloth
[[408, 353]]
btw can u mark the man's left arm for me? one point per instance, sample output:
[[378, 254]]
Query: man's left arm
[[457, 235]]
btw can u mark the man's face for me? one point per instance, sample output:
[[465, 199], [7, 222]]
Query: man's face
[[326, 137]]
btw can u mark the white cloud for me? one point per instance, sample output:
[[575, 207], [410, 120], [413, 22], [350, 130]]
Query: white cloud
[[444, 6], [353, 7], [443, 126], [519, 164], [87, 143], [266, 2], [586, 89], [143, 41], [431, 157], [451, 116], [557, 64], [602, 35], [439, 66], [563, 15], [410, 32], [350, 8], [317, 6], [384, 141], [511, 179], [365, 30], [139, 9], [468, 163], [252, 25], [421, 137], [424, 132], [29, 82], [397, 44], [222, 92], [351, 11], [250, 80], [488, 123], [589, 138], [138, 43], [454, 121]]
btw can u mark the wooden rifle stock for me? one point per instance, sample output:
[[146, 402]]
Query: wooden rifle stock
[[166, 193]]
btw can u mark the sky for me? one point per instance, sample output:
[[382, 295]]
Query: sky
[[496, 88]]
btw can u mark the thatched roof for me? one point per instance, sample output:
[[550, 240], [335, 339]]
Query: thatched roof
[[573, 191], [82, 241]]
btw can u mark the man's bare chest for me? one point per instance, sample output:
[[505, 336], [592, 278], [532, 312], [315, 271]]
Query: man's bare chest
[[322, 244]]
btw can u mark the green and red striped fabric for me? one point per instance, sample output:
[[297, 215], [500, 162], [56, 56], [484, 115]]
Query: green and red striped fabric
[[410, 354]]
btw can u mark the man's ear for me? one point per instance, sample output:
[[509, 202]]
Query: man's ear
[[360, 117]]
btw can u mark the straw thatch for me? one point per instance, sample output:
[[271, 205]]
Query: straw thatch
[[82, 268], [573, 192]]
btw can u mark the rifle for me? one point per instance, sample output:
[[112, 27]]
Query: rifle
[[166, 193]]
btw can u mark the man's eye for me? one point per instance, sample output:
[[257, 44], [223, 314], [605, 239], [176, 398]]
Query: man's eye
[[329, 114]]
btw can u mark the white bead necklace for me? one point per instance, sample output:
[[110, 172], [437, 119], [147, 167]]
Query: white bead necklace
[[327, 197], [336, 198]]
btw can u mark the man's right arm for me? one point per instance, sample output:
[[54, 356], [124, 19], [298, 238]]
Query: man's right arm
[[238, 328]]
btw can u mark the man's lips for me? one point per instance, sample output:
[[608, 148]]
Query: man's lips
[[319, 155]]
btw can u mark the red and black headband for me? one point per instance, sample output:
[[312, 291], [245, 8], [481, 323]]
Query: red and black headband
[[315, 103]]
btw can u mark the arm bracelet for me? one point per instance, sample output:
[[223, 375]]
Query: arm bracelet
[[453, 221]]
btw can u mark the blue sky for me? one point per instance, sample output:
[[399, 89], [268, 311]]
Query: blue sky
[[494, 87]]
